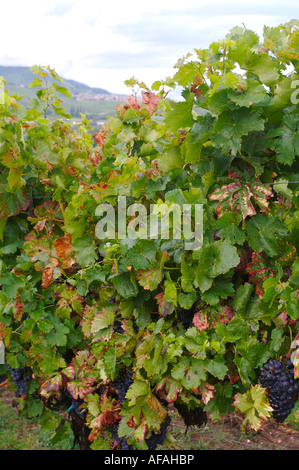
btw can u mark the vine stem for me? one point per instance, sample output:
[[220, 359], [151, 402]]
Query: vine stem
[[289, 353]]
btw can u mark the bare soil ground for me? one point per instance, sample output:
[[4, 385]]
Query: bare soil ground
[[221, 435], [227, 435]]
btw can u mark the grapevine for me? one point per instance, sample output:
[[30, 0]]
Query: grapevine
[[110, 332]]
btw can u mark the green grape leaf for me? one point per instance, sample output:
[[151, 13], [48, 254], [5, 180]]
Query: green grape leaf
[[188, 275], [216, 367], [11, 284], [223, 257], [220, 289], [227, 227], [231, 126], [189, 372], [142, 254], [58, 335], [262, 232], [138, 389], [85, 251], [242, 296], [254, 93], [187, 300], [264, 66], [236, 329], [63, 90], [285, 140], [214, 260], [179, 116], [125, 285]]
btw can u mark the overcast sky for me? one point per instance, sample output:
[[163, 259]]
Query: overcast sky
[[103, 43]]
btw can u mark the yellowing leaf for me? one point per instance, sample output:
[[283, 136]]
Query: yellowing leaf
[[255, 405]]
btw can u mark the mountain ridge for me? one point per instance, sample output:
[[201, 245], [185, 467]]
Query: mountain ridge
[[19, 75], [96, 104]]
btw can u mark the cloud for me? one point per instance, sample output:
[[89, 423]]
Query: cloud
[[126, 60], [103, 43], [60, 9]]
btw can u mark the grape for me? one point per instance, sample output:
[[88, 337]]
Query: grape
[[76, 407], [152, 442], [113, 428], [2, 378], [282, 387], [191, 417], [158, 439], [117, 326], [121, 385], [21, 378], [186, 318]]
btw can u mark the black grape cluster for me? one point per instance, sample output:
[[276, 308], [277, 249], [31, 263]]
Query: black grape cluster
[[80, 411], [152, 442], [282, 387], [113, 428], [121, 385], [118, 326], [186, 318], [191, 417], [21, 378], [2, 378], [158, 439]]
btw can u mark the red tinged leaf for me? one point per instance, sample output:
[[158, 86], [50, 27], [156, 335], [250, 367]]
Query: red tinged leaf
[[38, 247], [120, 109], [200, 321], [258, 271], [79, 377], [41, 225], [132, 102], [105, 418], [47, 278], [13, 203], [19, 308], [149, 279], [48, 273], [52, 386], [207, 392], [239, 197], [64, 248], [100, 137], [170, 389], [49, 210], [208, 316], [261, 267], [109, 414], [150, 101], [12, 158], [164, 307]]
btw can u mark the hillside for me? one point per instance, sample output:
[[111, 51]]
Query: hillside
[[96, 103], [22, 76]]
